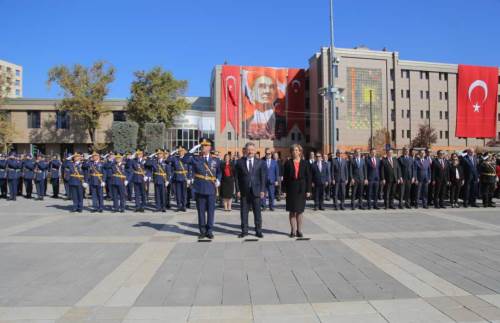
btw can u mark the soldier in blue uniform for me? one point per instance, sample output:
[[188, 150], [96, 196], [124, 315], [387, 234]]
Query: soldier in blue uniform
[[206, 176], [119, 182], [180, 178], [76, 177], [41, 167], [65, 176], [20, 179], [29, 175], [139, 178], [168, 168], [161, 179], [129, 172], [108, 172], [3, 176], [55, 175], [13, 171], [96, 180]]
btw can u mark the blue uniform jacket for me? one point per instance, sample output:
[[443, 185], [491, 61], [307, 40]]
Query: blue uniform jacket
[[29, 169], [75, 174], [55, 168], [3, 172], [138, 171], [161, 174], [181, 168], [95, 174], [13, 168], [41, 170], [119, 174], [205, 174]]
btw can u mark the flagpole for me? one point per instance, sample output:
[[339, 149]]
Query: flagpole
[[332, 90]]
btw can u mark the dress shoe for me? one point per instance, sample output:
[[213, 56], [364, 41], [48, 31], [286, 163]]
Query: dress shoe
[[292, 234], [210, 235], [315, 209], [322, 208], [271, 209], [201, 236], [242, 235], [259, 235], [299, 234]]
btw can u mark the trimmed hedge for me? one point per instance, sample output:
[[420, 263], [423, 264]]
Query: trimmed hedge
[[154, 134], [124, 135]]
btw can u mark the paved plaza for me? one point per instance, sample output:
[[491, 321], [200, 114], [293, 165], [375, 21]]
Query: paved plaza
[[359, 266]]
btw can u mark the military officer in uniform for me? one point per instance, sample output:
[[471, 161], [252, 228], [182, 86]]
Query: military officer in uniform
[[139, 179], [55, 175], [3, 176], [108, 173], [13, 171], [96, 180], [129, 173], [41, 167], [161, 179], [76, 183], [168, 168], [181, 176], [206, 177], [487, 179], [29, 174], [119, 182]]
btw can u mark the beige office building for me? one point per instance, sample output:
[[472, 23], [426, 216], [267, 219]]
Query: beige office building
[[404, 95], [14, 75]]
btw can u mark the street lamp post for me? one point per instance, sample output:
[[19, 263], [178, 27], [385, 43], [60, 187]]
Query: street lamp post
[[371, 119], [332, 91]]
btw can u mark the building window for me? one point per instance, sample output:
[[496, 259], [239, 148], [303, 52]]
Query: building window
[[405, 74], [336, 113], [446, 95], [421, 74], [229, 135], [18, 82], [393, 115], [402, 114], [421, 94], [440, 134], [18, 73], [446, 134], [18, 93], [402, 93], [308, 122], [440, 114], [440, 75], [421, 114], [499, 117], [119, 116], [392, 74], [408, 113], [446, 115], [393, 134], [427, 114], [426, 74], [293, 136], [408, 93], [33, 119], [427, 95], [445, 76], [393, 95], [62, 120], [336, 70], [402, 133], [299, 136], [440, 95], [338, 134], [308, 138], [408, 134]]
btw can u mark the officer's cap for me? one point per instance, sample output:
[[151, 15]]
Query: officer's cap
[[205, 142]]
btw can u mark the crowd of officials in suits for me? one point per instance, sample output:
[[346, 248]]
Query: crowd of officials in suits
[[416, 178]]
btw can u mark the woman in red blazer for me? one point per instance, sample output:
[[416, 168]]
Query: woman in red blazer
[[296, 187]]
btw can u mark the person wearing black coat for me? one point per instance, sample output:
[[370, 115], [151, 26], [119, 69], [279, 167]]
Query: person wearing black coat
[[440, 179], [391, 178], [456, 180], [296, 188], [357, 173], [227, 182]]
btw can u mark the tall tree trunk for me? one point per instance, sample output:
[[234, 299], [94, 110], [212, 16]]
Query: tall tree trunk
[[92, 136]]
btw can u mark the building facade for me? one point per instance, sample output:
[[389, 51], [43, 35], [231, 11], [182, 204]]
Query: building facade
[[14, 75], [40, 126], [401, 95]]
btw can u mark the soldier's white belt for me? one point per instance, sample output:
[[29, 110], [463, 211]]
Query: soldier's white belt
[[206, 178]]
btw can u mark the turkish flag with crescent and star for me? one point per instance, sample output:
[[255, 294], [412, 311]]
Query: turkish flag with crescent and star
[[230, 98], [476, 101]]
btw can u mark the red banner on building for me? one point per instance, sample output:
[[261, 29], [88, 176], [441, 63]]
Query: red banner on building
[[477, 101], [296, 99], [230, 97]]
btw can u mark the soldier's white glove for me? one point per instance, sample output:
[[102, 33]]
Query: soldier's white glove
[[146, 179], [126, 183], [217, 183], [166, 183], [103, 184], [85, 185]]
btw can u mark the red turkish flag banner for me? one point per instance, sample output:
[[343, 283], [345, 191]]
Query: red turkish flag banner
[[476, 101], [296, 99], [230, 97]]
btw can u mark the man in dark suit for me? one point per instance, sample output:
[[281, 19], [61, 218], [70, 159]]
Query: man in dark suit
[[250, 180], [429, 158], [422, 179], [406, 164], [440, 179], [320, 178], [373, 175], [272, 176], [358, 177], [471, 176], [391, 177], [340, 177]]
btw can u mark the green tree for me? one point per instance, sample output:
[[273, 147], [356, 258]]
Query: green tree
[[6, 128], [156, 97], [425, 137], [84, 89]]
